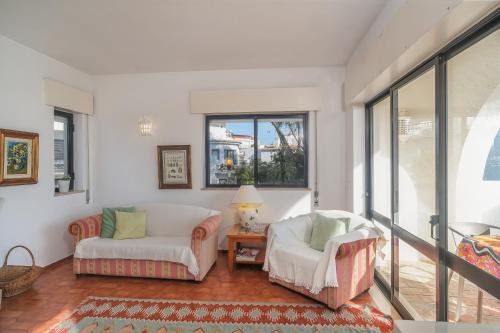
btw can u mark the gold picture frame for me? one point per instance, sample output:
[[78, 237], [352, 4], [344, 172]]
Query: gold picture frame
[[18, 157]]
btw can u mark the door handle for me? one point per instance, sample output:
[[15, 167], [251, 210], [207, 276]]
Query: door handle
[[434, 221]]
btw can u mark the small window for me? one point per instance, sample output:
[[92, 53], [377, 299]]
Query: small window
[[264, 150], [63, 146], [215, 155]]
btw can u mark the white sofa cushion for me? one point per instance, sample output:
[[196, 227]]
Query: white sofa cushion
[[174, 249], [166, 219], [295, 262]]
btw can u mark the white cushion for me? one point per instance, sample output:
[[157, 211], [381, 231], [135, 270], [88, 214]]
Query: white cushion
[[288, 260], [175, 249], [165, 219]]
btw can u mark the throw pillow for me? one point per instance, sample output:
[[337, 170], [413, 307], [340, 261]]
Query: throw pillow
[[326, 227], [130, 225], [109, 220]]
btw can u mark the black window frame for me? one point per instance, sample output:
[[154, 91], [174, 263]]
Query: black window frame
[[70, 144], [438, 252], [304, 116]]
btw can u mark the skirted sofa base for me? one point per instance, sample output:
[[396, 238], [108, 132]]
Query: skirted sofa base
[[132, 268], [355, 264], [204, 244]]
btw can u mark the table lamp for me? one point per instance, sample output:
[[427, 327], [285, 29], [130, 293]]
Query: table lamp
[[248, 200]]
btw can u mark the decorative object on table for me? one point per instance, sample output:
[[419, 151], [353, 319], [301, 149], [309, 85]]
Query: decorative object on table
[[248, 200], [238, 235], [174, 167], [247, 254], [162, 316], [18, 158], [17, 279], [63, 184], [145, 126]]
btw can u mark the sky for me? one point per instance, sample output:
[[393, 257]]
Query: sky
[[266, 135]]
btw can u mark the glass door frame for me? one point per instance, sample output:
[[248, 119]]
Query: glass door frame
[[439, 251]]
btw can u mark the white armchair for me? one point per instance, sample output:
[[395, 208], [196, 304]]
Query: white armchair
[[344, 270]]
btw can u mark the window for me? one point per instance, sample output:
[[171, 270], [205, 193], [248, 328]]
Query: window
[[63, 146], [215, 155], [440, 208], [264, 150], [382, 157]]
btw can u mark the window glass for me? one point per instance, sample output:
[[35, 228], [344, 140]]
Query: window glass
[[382, 157], [383, 260], [279, 143], [474, 153], [232, 139], [470, 304], [417, 155], [281, 152], [60, 147], [416, 275]]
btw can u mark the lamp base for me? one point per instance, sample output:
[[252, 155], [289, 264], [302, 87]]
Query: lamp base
[[248, 216]]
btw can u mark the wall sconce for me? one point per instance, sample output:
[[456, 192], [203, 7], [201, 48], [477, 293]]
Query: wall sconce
[[145, 126]]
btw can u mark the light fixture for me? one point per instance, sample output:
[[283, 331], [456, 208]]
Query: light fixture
[[248, 200], [145, 126]]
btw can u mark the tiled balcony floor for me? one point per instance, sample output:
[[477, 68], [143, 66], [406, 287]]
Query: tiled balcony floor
[[417, 288]]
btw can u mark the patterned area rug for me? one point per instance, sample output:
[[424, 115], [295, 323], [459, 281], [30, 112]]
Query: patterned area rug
[[126, 315]]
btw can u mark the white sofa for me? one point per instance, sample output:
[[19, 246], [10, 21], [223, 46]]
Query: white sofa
[[181, 243]]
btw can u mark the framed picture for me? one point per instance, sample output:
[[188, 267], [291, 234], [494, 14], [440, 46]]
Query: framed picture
[[18, 158], [174, 167]]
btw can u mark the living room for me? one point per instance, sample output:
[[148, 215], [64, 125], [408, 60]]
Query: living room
[[147, 146]]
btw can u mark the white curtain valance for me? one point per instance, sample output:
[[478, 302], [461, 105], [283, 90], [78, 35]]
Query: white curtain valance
[[256, 100], [60, 95]]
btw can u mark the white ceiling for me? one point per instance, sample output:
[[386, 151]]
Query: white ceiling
[[134, 36]]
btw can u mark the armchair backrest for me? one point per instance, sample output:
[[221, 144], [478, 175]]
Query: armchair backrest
[[167, 219], [355, 222]]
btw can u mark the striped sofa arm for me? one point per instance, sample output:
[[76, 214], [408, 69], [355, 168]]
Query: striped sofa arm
[[87, 227], [205, 243], [350, 249], [355, 264]]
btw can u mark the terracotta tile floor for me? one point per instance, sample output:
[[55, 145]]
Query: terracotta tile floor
[[418, 287], [58, 292]]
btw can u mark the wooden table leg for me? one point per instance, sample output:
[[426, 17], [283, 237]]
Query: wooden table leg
[[230, 255]]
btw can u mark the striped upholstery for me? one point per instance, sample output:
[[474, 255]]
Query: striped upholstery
[[355, 263], [85, 228], [133, 268], [204, 243]]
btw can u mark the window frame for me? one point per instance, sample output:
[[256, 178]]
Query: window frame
[[70, 145], [255, 117], [444, 259]]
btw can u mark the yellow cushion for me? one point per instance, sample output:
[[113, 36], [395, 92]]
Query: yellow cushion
[[130, 225]]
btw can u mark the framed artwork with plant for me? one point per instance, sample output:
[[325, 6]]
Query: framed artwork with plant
[[174, 167], [18, 158]]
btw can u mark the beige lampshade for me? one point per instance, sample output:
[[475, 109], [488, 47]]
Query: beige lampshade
[[247, 195]]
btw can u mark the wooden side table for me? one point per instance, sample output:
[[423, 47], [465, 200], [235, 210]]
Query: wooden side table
[[236, 235]]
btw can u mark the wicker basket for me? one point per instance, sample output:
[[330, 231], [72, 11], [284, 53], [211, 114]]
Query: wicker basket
[[17, 279]]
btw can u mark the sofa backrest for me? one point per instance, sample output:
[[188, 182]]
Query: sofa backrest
[[167, 219]]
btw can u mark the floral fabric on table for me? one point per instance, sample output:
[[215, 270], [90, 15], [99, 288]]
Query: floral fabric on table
[[483, 252]]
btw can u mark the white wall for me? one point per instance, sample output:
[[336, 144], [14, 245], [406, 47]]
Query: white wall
[[403, 35], [126, 168], [30, 214]]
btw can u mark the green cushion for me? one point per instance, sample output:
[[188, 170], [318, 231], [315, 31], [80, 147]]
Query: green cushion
[[109, 220], [130, 225], [326, 227]]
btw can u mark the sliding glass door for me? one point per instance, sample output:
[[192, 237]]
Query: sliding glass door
[[415, 194], [473, 78], [433, 182]]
